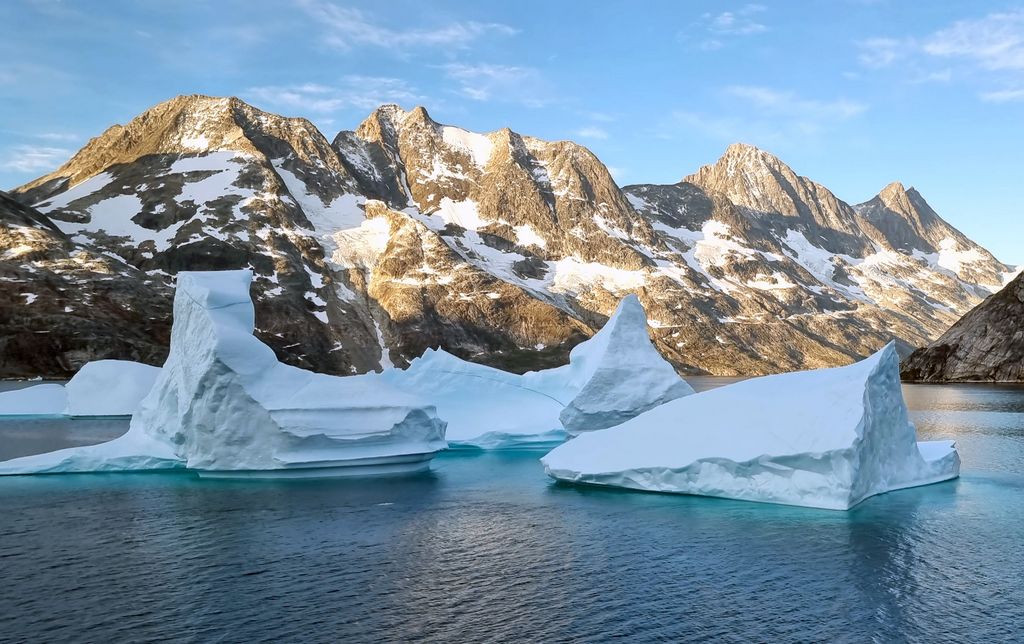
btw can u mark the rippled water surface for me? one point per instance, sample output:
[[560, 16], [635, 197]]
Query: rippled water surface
[[486, 548]]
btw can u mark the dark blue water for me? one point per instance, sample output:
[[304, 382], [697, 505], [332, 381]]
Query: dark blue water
[[485, 548]]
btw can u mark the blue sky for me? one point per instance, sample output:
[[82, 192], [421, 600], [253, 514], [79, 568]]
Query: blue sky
[[852, 93]]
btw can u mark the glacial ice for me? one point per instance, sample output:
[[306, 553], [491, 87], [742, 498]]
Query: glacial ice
[[109, 388], [224, 406], [611, 377], [827, 438], [49, 399], [100, 388]]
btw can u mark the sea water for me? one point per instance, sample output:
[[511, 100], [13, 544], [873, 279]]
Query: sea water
[[486, 548]]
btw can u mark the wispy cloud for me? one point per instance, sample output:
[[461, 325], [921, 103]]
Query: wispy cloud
[[591, 132], [713, 30], [33, 158], [989, 49], [880, 52], [362, 92], [764, 115], [347, 27], [785, 103], [1004, 95], [995, 41], [741, 22], [506, 83], [57, 136]]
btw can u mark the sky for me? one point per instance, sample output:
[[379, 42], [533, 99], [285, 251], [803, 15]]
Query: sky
[[854, 94]]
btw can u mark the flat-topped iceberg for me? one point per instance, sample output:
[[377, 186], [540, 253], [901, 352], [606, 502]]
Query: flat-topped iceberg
[[611, 377], [827, 438], [100, 388], [224, 406]]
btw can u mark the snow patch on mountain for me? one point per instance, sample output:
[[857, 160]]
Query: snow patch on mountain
[[478, 146]]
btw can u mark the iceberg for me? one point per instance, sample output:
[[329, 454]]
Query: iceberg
[[827, 438], [223, 406], [100, 388], [49, 399], [109, 388], [610, 378]]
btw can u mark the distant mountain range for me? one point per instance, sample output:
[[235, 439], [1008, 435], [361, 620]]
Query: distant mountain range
[[502, 248]]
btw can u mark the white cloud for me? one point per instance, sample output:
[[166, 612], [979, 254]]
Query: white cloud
[[362, 92], [34, 158], [506, 83], [737, 23], [985, 49], [714, 29], [57, 136], [995, 41], [346, 27], [789, 104], [765, 116], [880, 52], [1004, 95], [591, 132]]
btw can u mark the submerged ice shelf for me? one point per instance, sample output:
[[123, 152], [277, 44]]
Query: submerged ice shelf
[[827, 438], [100, 388], [224, 406], [611, 377]]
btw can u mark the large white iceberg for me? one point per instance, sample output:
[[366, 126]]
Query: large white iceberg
[[100, 388], [224, 406], [827, 438], [611, 377]]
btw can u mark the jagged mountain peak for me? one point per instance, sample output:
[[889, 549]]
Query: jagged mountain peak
[[187, 124], [763, 184]]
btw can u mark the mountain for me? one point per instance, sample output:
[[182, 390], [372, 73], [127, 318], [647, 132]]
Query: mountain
[[987, 344], [506, 249], [64, 304]]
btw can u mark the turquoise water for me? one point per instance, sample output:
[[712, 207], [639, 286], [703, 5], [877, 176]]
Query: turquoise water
[[486, 548]]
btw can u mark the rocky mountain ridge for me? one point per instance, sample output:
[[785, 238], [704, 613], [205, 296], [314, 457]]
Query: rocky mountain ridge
[[502, 248], [986, 345]]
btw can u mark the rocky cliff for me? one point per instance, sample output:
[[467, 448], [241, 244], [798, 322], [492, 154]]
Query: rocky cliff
[[986, 345]]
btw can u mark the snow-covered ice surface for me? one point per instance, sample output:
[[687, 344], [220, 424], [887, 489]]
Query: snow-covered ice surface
[[48, 399], [100, 388], [611, 377], [109, 388], [223, 405], [826, 438]]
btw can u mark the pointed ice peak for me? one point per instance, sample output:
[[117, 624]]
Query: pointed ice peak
[[621, 372]]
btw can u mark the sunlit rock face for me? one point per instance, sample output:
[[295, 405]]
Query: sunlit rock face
[[826, 438], [611, 377]]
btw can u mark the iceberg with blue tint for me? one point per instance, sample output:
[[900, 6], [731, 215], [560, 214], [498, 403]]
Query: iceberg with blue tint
[[224, 406], [827, 438], [611, 377], [100, 388]]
